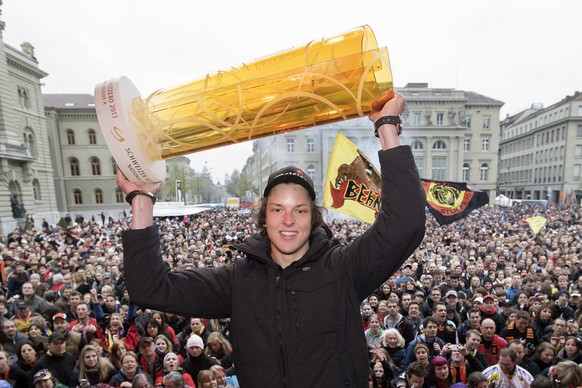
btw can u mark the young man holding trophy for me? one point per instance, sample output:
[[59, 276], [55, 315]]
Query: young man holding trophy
[[294, 297]]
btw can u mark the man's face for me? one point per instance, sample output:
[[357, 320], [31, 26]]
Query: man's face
[[563, 300], [194, 351], [74, 300], [288, 222], [57, 347], [82, 311], [473, 341], [435, 295], [488, 330], [392, 309], [431, 330], [559, 327], [506, 365], [488, 304], [9, 328], [475, 319], [27, 289], [147, 348], [60, 325], [440, 313], [413, 311], [415, 381], [521, 324], [520, 350], [406, 299]]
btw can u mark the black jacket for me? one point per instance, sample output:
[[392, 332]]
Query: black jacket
[[299, 326]]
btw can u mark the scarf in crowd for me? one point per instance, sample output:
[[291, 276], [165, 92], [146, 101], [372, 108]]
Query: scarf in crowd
[[462, 373]]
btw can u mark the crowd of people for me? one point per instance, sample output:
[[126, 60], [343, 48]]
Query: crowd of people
[[482, 302]]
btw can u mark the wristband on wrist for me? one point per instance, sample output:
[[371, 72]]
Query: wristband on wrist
[[394, 120], [130, 196]]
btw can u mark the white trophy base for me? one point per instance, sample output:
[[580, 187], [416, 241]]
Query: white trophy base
[[114, 106]]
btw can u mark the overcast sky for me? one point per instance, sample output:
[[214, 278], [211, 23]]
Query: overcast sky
[[519, 52]]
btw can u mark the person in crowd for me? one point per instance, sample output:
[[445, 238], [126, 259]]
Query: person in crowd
[[168, 330], [219, 348], [490, 311], [439, 375], [433, 297], [164, 344], [571, 350], [86, 325], [473, 323], [491, 344], [92, 368], [394, 344], [196, 360], [37, 334], [291, 236], [15, 376], [27, 356], [118, 349], [221, 376], [206, 379], [566, 374], [44, 379], [543, 320], [74, 341], [57, 360], [367, 312], [414, 317], [150, 360], [506, 373], [414, 377], [374, 332], [522, 359], [172, 364], [446, 329], [141, 380], [429, 338], [477, 380], [544, 356], [561, 309], [129, 369], [11, 339], [395, 320], [557, 336], [521, 329]]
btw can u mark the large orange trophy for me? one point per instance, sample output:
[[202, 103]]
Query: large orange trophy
[[332, 79]]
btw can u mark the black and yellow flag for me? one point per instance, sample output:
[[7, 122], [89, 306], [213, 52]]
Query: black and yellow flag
[[451, 201]]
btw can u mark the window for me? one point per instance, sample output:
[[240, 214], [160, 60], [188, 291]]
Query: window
[[440, 120], [484, 172], [23, 98], [576, 172], [74, 164], [36, 190], [467, 121], [416, 119], [417, 145], [29, 142], [118, 196], [485, 144], [98, 196], [310, 145], [77, 197], [439, 145], [466, 172], [290, 145], [467, 144], [311, 172], [486, 122], [579, 130], [114, 166], [92, 137], [439, 168], [95, 166], [419, 166], [578, 151], [70, 137]]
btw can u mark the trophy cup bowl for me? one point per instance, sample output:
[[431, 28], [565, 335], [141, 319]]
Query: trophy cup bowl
[[336, 78]]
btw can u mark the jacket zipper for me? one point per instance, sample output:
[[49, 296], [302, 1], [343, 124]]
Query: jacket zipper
[[295, 309], [280, 329]]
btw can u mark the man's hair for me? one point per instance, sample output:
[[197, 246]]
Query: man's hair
[[428, 320], [416, 369], [522, 314], [437, 304], [141, 378], [175, 377], [515, 342], [261, 216], [472, 332], [506, 352]]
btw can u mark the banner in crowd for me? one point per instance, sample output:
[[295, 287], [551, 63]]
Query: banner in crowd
[[451, 201], [536, 223], [353, 184]]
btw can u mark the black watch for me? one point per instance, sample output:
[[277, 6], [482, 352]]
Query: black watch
[[394, 120]]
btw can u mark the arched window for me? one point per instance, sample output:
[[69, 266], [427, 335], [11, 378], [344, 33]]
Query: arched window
[[484, 172], [114, 166], [98, 196], [23, 98], [77, 197], [92, 137], [74, 163], [36, 190], [28, 140], [466, 172], [70, 137], [95, 166], [118, 196], [417, 145], [439, 145]]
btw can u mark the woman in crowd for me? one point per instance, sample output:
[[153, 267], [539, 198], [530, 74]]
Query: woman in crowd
[[522, 302], [220, 375], [571, 351], [38, 337], [439, 376], [27, 356], [164, 345], [118, 349], [166, 329], [172, 364], [92, 367], [544, 356], [219, 348], [374, 332], [206, 379], [367, 312], [129, 368], [393, 342], [373, 301], [566, 374]]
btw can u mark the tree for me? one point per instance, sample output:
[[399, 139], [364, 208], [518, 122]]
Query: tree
[[231, 183]]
